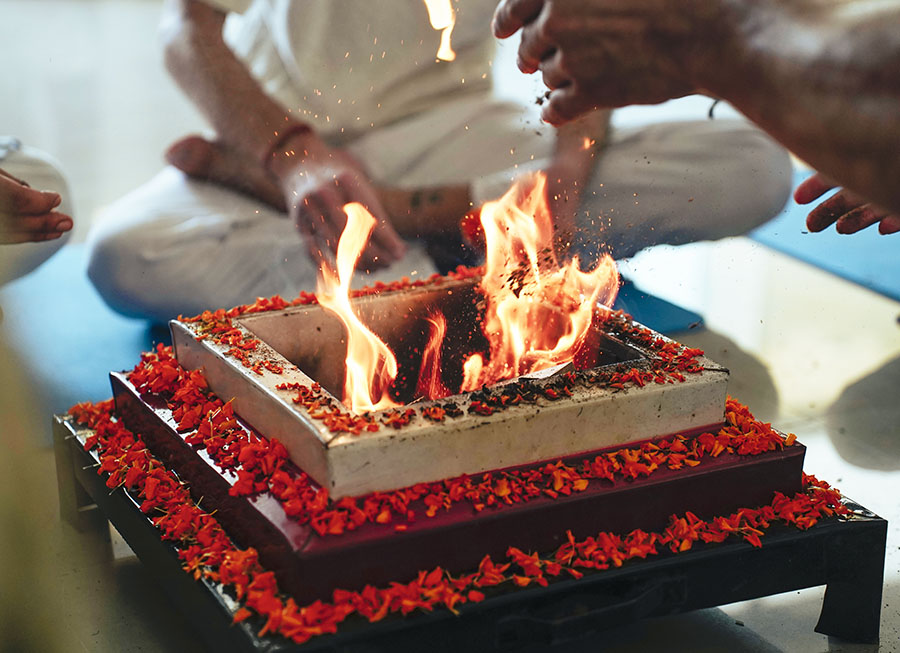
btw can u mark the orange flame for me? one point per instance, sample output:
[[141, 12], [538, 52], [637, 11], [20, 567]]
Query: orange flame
[[371, 366], [442, 17], [472, 369], [430, 384], [538, 312]]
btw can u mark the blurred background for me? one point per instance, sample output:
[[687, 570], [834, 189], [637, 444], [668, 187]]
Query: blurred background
[[84, 82], [811, 351]]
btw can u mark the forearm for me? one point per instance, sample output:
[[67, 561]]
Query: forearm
[[822, 78], [578, 143], [584, 134], [242, 114], [426, 211]]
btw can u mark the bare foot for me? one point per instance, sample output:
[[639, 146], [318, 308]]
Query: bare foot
[[213, 162]]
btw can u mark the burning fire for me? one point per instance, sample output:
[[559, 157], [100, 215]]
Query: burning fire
[[371, 365], [442, 17], [430, 383], [538, 312]]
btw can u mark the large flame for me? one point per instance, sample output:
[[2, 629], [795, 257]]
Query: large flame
[[442, 17], [371, 366], [538, 312]]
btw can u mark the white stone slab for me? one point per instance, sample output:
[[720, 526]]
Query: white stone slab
[[422, 451]]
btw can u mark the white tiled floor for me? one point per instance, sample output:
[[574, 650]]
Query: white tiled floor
[[814, 354], [836, 375]]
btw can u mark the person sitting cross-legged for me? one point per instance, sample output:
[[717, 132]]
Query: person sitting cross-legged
[[318, 103]]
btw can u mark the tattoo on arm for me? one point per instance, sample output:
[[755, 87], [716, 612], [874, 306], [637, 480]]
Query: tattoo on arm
[[417, 199]]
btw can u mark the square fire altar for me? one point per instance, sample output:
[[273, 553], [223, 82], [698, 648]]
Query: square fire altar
[[566, 411]]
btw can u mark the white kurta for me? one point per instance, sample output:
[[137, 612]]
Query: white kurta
[[349, 66], [176, 245]]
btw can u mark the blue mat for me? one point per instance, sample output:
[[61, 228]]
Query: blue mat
[[654, 312], [66, 337], [866, 257]]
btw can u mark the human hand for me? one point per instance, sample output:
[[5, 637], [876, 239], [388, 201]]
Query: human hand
[[27, 215], [317, 181], [847, 211], [608, 53]]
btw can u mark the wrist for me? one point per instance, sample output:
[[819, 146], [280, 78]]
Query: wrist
[[290, 145]]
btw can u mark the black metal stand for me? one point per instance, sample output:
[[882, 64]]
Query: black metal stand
[[845, 555]]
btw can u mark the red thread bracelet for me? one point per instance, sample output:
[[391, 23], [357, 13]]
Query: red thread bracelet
[[281, 140]]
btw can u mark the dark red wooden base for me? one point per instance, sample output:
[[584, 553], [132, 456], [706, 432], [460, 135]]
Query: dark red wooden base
[[847, 555], [309, 566]]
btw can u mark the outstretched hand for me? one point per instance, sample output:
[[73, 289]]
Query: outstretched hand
[[27, 215], [845, 210], [606, 53], [316, 188]]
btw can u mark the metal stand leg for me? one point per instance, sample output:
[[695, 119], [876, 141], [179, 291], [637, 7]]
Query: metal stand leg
[[855, 575], [76, 506]]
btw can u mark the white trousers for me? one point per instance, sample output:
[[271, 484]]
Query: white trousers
[[42, 172], [176, 245]]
